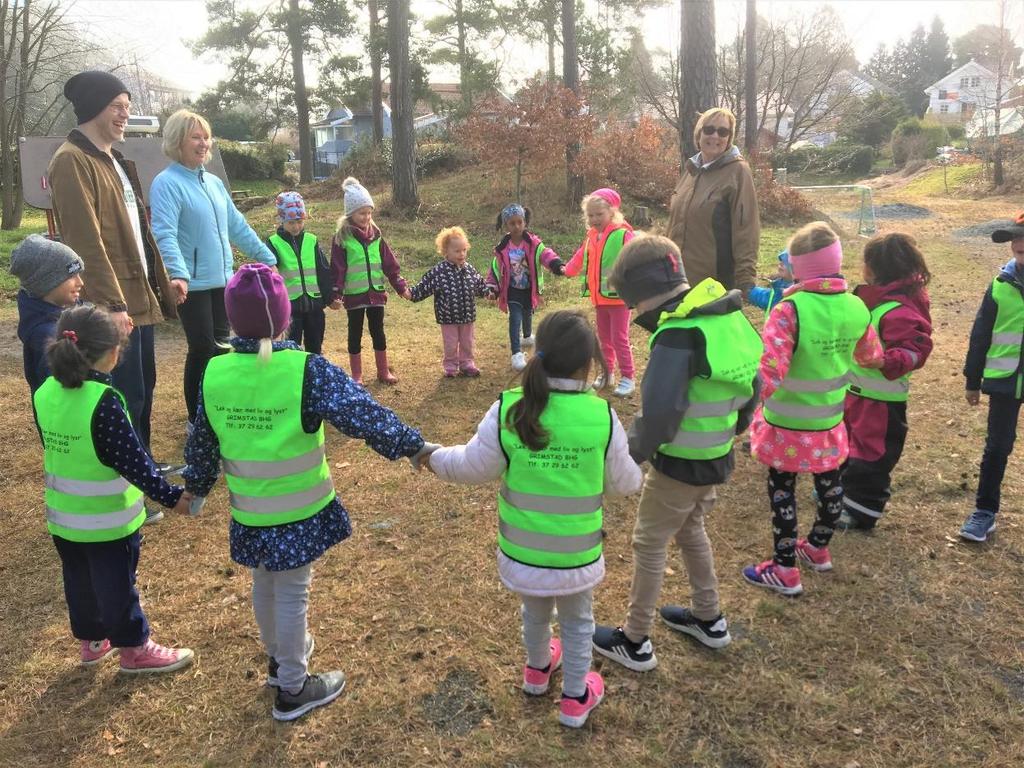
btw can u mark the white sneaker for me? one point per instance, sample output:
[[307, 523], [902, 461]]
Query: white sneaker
[[518, 361], [625, 388], [599, 381], [528, 341]]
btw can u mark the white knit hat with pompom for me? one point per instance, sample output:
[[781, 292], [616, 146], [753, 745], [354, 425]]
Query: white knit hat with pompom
[[356, 196]]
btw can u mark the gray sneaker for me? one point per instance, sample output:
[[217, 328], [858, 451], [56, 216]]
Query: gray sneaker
[[153, 515], [978, 525], [317, 691], [272, 665]]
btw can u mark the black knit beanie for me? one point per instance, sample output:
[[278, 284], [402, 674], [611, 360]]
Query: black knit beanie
[[91, 91], [648, 266]]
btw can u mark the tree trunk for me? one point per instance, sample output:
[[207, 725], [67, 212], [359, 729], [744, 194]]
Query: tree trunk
[[698, 68], [750, 81], [464, 87], [997, 158], [571, 77], [376, 88], [404, 193], [549, 33], [295, 41]]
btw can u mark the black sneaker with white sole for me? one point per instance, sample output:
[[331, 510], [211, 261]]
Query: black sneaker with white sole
[[317, 691], [613, 643], [713, 634], [272, 665]]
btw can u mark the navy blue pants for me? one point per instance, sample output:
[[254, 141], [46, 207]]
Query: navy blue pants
[[99, 586], [520, 324], [1003, 411], [135, 378], [307, 329]]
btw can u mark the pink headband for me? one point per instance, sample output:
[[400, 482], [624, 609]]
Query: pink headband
[[820, 263], [609, 195]]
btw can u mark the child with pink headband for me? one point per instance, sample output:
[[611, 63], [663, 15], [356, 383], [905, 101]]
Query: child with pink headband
[[810, 341], [607, 232]]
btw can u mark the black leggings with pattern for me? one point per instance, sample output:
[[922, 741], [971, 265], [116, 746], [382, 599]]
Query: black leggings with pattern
[[782, 496]]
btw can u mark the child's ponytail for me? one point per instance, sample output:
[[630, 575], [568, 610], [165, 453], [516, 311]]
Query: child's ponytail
[[566, 347], [85, 334]]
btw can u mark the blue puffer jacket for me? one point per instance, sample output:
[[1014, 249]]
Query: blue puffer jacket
[[37, 325], [195, 224]]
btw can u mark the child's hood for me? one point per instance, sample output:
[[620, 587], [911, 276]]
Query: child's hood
[[1012, 273], [907, 291]]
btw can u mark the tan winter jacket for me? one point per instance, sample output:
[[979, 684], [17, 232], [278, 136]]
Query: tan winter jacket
[[713, 218], [88, 203]]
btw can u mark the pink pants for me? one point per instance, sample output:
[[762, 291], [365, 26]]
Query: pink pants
[[613, 332], [458, 347]]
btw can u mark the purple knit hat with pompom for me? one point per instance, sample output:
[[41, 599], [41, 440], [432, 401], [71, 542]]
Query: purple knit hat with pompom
[[257, 302]]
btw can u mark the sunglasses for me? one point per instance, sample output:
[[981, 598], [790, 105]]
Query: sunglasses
[[722, 131]]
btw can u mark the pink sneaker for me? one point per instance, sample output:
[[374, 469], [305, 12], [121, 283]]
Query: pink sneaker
[[771, 575], [471, 371], [574, 714], [151, 657], [536, 681], [817, 557], [95, 651]]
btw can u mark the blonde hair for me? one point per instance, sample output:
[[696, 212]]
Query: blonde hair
[[617, 217], [708, 115], [811, 237], [448, 234], [178, 127], [345, 227]]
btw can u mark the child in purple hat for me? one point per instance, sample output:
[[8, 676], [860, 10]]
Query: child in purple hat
[[261, 412]]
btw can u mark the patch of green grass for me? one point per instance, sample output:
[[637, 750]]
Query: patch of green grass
[[259, 187], [33, 221], [930, 182]]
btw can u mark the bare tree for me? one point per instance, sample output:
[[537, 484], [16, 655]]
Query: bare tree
[[658, 88], [1004, 62], [404, 192], [750, 78], [698, 68], [571, 78], [376, 43]]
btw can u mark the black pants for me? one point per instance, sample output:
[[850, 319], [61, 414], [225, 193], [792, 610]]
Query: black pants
[[311, 326], [135, 377], [782, 496], [205, 322], [1003, 411], [866, 484], [355, 329], [99, 585]]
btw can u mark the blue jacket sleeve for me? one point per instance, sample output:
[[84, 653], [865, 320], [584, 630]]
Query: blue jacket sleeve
[[981, 340], [759, 296], [165, 211]]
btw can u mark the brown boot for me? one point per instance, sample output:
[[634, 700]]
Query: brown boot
[[355, 367], [384, 373]]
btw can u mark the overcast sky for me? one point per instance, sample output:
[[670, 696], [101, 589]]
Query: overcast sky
[[155, 30]]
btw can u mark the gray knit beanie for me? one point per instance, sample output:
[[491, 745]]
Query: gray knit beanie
[[42, 264], [356, 196], [649, 266]]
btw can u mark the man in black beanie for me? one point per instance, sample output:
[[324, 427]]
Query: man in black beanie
[[97, 202]]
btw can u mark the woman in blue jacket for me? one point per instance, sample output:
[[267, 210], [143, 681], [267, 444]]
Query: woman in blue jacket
[[195, 224]]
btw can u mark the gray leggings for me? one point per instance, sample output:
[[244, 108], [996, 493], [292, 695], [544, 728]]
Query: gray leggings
[[279, 600], [576, 622]]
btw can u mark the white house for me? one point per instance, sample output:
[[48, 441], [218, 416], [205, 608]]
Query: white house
[[964, 90]]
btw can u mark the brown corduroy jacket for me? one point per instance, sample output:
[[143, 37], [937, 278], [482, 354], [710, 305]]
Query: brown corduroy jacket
[[714, 220], [88, 203]]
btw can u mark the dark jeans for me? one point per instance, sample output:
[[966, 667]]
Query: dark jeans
[[520, 324], [355, 329], [312, 325], [135, 378], [782, 497], [1003, 411], [866, 484], [99, 586], [205, 322]]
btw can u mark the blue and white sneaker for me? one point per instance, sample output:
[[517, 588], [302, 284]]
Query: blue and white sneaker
[[978, 525]]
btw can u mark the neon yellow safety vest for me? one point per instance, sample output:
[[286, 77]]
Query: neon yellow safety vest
[[1003, 357], [733, 351], [537, 268], [276, 472], [609, 253], [364, 269], [86, 500], [871, 382], [811, 397], [298, 270], [549, 505]]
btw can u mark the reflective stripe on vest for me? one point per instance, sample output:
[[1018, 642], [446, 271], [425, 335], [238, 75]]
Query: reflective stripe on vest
[[363, 269], [1003, 356], [86, 501], [256, 412], [609, 253], [811, 397], [298, 271], [733, 349], [871, 382], [550, 502]]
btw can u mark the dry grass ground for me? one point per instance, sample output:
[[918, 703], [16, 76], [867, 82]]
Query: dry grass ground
[[909, 654]]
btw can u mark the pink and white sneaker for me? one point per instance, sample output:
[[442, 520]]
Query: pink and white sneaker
[[817, 557], [536, 681], [95, 651], [572, 713], [771, 575], [152, 657]]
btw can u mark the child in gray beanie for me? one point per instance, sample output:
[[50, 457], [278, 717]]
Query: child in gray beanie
[[50, 274]]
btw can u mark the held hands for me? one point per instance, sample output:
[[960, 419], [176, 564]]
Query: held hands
[[180, 290], [406, 294], [422, 457], [335, 305], [973, 396], [124, 322], [184, 502]]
